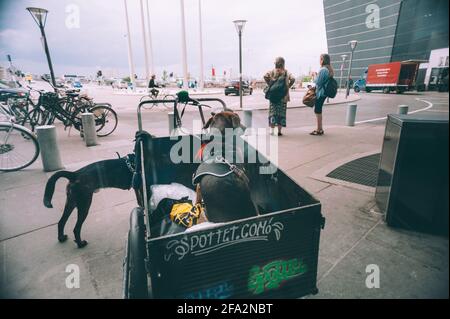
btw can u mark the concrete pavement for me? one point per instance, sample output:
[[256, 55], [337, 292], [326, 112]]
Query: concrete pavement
[[33, 263]]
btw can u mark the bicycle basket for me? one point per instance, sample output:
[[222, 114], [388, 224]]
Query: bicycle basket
[[48, 98]]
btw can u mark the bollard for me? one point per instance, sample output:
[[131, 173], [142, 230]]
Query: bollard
[[89, 131], [248, 120], [51, 160], [403, 109], [171, 116], [351, 114]]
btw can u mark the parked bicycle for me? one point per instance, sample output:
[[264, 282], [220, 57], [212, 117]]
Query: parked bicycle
[[68, 106], [19, 147]]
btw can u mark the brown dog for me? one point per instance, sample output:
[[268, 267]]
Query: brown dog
[[226, 198]]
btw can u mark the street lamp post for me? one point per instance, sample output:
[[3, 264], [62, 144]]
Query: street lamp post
[[40, 16], [240, 27], [353, 45], [344, 57]]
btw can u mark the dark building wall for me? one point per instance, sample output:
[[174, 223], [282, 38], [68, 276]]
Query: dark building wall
[[347, 20], [422, 27]]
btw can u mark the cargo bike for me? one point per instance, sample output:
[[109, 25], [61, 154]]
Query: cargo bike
[[273, 255]]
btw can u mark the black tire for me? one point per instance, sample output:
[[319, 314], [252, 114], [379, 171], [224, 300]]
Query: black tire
[[169, 97], [368, 90], [137, 287], [357, 89], [37, 117], [105, 119], [21, 138]]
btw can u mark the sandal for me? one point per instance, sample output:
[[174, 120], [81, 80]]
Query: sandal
[[317, 133]]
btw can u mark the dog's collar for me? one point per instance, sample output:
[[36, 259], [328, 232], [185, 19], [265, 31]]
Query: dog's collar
[[129, 161]]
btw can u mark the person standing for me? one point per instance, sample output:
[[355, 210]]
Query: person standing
[[326, 72], [278, 107]]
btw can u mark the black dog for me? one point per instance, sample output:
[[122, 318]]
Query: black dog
[[123, 173], [115, 173]]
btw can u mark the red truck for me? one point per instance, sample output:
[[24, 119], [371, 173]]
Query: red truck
[[394, 76]]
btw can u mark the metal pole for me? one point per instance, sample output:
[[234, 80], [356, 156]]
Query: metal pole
[[201, 79], [89, 131], [150, 44], [403, 109], [240, 69], [351, 114], [47, 53], [349, 73], [48, 143], [183, 47], [144, 37], [130, 52], [342, 75]]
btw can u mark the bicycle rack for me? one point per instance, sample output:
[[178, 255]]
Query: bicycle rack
[[176, 118]]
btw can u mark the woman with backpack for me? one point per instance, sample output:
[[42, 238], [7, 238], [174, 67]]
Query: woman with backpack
[[279, 81], [325, 74]]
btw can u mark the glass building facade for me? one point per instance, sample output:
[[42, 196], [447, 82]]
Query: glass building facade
[[386, 31]]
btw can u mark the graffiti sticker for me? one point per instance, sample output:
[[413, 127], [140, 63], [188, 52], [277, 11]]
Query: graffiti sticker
[[223, 290], [206, 243], [273, 274]]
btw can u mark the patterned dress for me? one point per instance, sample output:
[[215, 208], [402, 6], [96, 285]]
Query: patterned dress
[[277, 110]]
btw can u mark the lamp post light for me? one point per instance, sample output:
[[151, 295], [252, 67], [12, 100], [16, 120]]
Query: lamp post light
[[239, 24], [40, 17], [344, 57], [353, 45]]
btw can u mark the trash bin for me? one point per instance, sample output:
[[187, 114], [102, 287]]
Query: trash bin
[[412, 186]]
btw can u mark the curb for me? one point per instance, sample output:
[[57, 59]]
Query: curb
[[263, 108]]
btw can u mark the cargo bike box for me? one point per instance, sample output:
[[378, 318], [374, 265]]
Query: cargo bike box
[[273, 255]]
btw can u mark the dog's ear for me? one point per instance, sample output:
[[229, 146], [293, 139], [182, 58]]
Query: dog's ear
[[208, 124], [235, 121]]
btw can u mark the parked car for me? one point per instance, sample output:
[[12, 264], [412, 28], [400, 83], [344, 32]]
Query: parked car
[[233, 88], [119, 84], [77, 84], [11, 90]]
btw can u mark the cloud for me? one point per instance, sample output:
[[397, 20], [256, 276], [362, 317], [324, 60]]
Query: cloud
[[294, 29]]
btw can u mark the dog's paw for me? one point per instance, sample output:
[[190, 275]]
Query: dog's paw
[[62, 238], [81, 244]]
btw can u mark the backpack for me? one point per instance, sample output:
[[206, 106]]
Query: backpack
[[331, 88], [277, 91]]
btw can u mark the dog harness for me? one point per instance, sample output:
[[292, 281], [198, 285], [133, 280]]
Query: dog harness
[[217, 166]]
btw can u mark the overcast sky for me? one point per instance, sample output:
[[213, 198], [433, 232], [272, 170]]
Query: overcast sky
[[294, 29]]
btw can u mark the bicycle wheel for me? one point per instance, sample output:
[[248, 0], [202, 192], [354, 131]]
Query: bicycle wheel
[[37, 117], [169, 97], [105, 119], [147, 98], [19, 147]]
